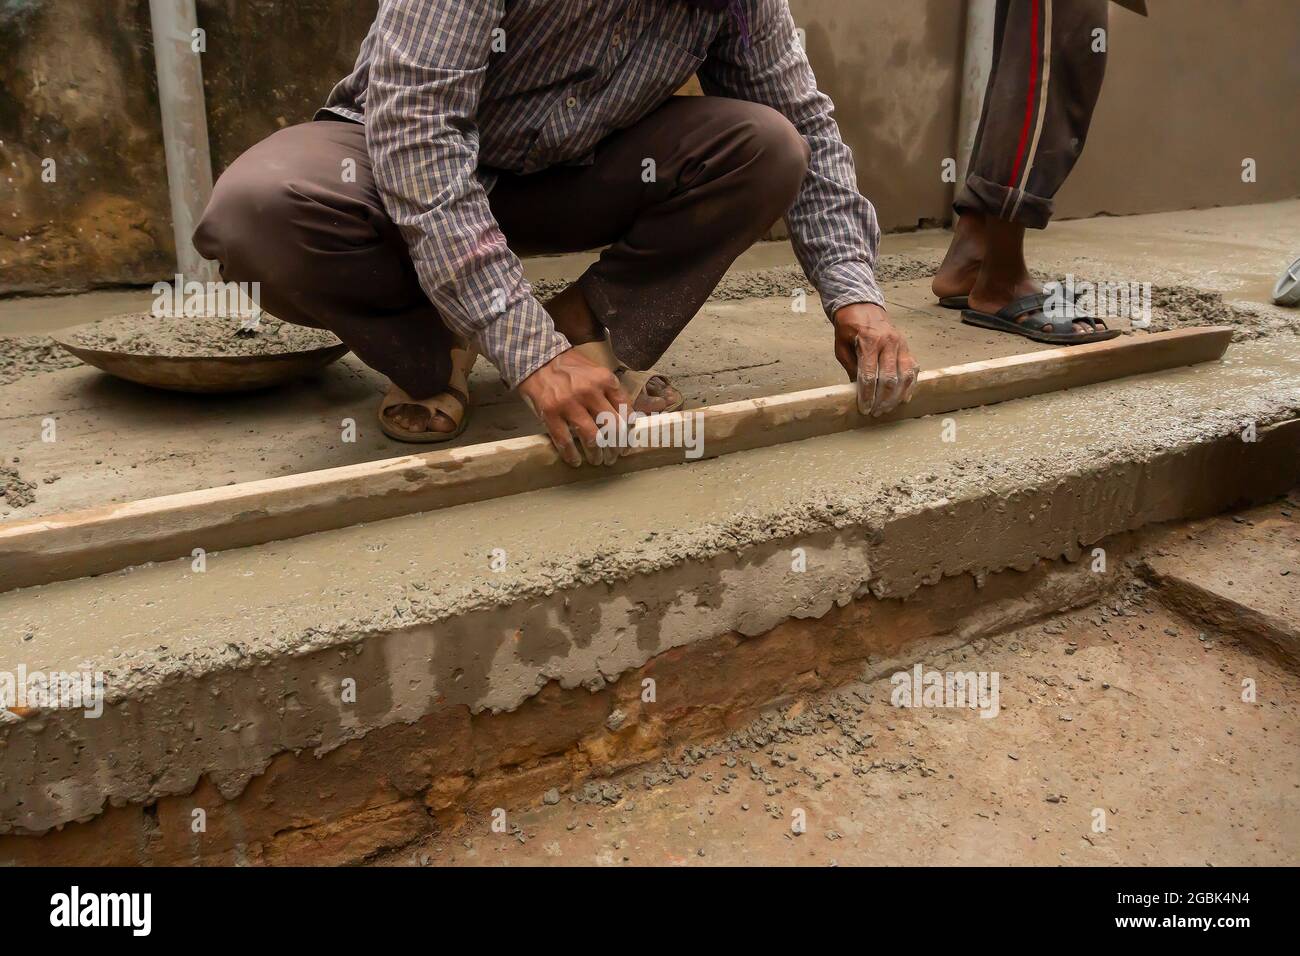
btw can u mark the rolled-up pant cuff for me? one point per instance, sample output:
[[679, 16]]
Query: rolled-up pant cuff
[[1002, 202]]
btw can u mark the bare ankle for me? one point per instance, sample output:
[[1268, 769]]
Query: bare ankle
[[573, 317]]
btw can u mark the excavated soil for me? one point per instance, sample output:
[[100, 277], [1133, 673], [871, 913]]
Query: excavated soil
[[138, 333], [1115, 724]]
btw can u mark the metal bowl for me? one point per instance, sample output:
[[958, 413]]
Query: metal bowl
[[204, 373]]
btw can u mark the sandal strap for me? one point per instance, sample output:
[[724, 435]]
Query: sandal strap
[[1025, 305], [1029, 312], [633, 381], [601, 353], [453, 402]]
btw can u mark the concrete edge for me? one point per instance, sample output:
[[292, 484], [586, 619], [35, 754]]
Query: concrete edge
[[227, 728]]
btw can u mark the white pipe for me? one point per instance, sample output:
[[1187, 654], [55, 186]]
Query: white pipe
[[977, 64], [185, 127]]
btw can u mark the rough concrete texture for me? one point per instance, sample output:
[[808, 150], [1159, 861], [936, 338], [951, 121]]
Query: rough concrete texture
[[225, 686], [1120, 707], [214, 675], [1240, 575], [140, 333]]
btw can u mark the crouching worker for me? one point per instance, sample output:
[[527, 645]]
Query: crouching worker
[[472, 133]]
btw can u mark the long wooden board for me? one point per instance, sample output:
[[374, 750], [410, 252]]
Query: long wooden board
[[100, 540]]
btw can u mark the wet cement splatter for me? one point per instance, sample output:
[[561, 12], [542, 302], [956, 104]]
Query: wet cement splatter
[[15, 492], [31, 355]]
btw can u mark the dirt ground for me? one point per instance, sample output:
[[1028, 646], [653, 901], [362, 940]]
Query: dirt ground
[[1124, 735]]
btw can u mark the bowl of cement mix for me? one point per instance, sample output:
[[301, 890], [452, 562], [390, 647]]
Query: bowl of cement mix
[[201, 354]]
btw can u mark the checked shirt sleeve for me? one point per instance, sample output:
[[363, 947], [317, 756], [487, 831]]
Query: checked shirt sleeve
[[832, 226], [430, 58]]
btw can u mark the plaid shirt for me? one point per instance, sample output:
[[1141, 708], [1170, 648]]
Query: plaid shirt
[[452, 90]]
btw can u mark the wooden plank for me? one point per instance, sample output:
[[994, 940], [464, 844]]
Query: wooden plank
[[98, 540]]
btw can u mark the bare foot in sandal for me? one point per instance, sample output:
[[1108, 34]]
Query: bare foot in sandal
[[575, 321], [1004, 280], [439, 418], [416, 418]]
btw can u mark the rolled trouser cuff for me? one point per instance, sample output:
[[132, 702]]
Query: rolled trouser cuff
[[1003, 202]]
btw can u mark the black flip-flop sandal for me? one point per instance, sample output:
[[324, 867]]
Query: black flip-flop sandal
[[1027, 317]]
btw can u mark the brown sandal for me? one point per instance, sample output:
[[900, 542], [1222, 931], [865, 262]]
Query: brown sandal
[[454, 402]]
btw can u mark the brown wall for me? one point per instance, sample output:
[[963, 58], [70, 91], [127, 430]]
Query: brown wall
[[77, 86], [271, 63], [1192, 91], [892, 69]]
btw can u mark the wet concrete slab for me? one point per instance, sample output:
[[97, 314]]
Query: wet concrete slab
[[216, 674], [118, 442], [231, 665]]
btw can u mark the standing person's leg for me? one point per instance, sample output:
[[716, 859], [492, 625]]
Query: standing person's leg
[[1047, 75], [1038, 107], [676, 198], [300, 214]]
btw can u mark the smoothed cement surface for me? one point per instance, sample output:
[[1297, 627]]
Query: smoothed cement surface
[[118, 442], [288, 593], [335, 586]]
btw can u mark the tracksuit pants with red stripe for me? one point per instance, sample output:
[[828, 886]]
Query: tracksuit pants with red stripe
[[1041, 94]]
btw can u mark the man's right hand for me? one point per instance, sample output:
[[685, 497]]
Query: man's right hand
[[568, 393]]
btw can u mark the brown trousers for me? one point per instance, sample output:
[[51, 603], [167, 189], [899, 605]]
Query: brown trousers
[[1037, 108], [328, 256]]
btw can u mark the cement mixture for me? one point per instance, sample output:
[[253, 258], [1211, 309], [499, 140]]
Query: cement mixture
[[1173, 306], [1181, 306], [139, 333], [31, 355], [14, 490]]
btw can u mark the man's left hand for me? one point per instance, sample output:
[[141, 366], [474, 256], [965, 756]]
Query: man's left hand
[[875, 354]]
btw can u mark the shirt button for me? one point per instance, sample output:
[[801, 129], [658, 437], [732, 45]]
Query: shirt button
[[571, 102], [618, 39]]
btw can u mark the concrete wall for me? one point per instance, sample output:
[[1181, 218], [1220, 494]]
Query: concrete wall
[[892, 69], [271, 63], [77, 87], [1191, 92]]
